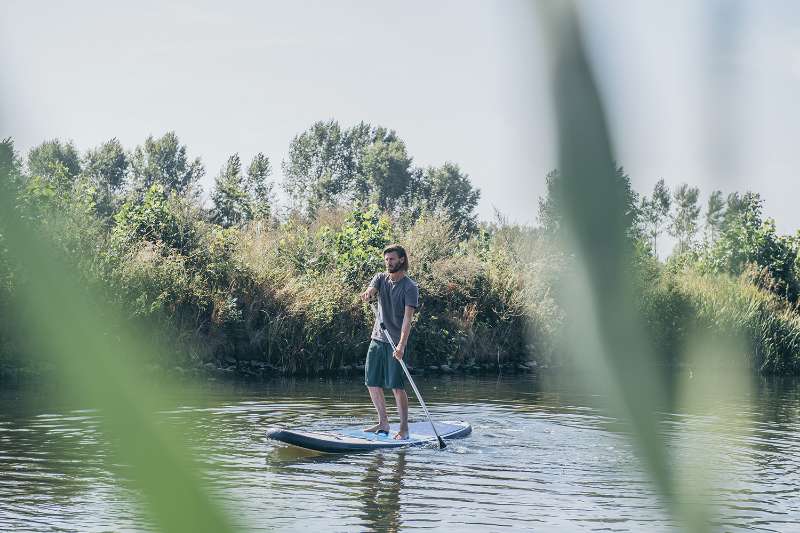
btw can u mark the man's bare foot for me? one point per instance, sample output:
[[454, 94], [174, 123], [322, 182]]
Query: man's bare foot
[[378, 428], [402, 434]]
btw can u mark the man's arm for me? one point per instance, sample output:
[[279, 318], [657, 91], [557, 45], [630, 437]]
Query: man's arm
[[372, 288], [404, 332]]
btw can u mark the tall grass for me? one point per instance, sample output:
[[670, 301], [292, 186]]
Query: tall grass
[[686, 302]]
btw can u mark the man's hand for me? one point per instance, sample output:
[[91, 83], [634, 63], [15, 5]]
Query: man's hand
[[369, 293], [399, 352]]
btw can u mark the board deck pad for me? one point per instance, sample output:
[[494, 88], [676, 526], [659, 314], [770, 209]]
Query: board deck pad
[[353, 439]]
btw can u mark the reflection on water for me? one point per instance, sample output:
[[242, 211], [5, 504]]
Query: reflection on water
[[380, 494], [540, 457]]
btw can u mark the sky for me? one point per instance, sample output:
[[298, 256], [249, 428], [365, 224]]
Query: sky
[[703, 93]]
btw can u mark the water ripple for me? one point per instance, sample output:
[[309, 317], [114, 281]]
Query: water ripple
[[539, 458]]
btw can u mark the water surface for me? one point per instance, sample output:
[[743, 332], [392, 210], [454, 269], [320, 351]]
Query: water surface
[[541, 458]]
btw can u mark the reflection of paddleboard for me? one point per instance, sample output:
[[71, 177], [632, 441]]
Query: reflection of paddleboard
[[357, 440]]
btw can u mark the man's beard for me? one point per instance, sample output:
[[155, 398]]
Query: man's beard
[[396, 268]]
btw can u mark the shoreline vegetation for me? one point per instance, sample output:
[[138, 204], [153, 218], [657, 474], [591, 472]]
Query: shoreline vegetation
[[241, 284]]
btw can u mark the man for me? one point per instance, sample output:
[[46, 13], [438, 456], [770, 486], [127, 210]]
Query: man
[[398, 298]]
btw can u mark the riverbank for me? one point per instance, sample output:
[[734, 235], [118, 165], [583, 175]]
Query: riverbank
[[281, 297], [257, 370]]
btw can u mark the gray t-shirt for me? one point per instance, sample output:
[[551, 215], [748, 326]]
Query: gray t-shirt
[[393, 297]]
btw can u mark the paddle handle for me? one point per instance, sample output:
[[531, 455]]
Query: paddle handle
[[408, 375]]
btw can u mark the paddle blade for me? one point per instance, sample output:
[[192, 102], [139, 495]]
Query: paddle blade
[[442, 445]]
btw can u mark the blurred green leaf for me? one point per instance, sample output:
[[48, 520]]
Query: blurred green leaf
[[100, 362]]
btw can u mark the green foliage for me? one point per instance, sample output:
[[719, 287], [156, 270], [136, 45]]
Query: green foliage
[[229, 196], [353, 251], [152, 281], [446, 191], [285, 291], [684, 219], [328, 166], [383, 170], [159, 218], [106, 168], [684, 301], [748, 239], [318, 167], [60, 206], [239, 199], [715, 211], [654, 212], [552, 205], [550, 210], [55, 162], [10, 174], [356, 250], [10, 164], [259, 188], [736, 205], [165, 162], [100, 364]]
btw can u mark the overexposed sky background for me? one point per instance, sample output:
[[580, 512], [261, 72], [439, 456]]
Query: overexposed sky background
[[704, 93]]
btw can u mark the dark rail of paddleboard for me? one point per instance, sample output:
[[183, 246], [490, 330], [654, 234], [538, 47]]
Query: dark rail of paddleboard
[[356, 440]]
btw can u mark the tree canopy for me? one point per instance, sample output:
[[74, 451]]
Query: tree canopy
[[165, 161], [551, 206], [56, 162], [329, 165], [241, 198]]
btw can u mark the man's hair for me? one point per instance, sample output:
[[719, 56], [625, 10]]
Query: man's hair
[[401, 253]]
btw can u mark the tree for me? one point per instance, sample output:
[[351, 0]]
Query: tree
[[446, 190], [748, 239], [737, 205], [551, 207], [654, 213], [329, 166], [229, 195], [10, 164], [107, 165], [383, 170], [715, 212], [55, 162], [164, 161], [550, 210], [355, 143], [9, 185], [317, 168], [685, 216], [259, 188], [239, 199], [105, 168]]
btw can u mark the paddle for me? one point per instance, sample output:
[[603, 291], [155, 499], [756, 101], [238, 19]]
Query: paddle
[[375, 310]]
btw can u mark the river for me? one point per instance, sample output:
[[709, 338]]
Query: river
[[541, 457]]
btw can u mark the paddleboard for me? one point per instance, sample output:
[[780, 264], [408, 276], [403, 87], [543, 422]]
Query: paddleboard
[[355, 439]]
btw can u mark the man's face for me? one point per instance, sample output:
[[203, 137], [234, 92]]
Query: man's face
[[393, 262]]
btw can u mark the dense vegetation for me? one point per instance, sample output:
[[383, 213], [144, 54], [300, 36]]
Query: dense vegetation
[[251, 286]]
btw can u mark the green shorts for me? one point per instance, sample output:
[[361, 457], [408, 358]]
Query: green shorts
[[382, 369]]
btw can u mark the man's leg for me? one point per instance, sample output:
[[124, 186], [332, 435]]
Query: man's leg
[[374, 371], [401, 399], [376, 394]]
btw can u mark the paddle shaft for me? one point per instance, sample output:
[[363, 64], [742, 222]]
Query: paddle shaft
[[408, 374]]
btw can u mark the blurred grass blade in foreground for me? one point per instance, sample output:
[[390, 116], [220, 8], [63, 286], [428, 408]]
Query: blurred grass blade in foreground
[[604, 331], [99, 360]]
